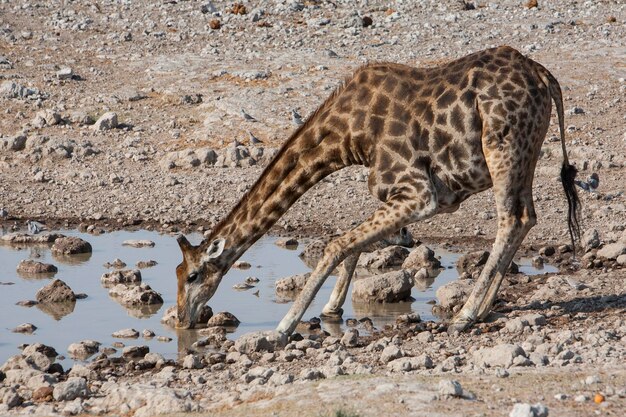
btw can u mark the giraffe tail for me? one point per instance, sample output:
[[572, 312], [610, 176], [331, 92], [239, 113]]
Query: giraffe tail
[[568, 171]]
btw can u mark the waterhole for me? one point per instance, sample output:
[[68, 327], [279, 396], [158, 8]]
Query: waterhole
[[99, 315]]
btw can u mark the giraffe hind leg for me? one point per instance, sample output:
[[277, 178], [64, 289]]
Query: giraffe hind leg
[[512, 186]]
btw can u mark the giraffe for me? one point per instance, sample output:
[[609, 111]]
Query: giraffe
[[315, 250], [431, 138]]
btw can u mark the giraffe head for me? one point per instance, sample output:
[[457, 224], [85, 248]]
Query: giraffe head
[[198, 276]]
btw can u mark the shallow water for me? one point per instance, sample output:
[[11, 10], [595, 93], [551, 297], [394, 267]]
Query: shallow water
[[99, 315]]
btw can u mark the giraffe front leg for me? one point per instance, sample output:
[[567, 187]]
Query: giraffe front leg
[[332, 309], [405, 207]]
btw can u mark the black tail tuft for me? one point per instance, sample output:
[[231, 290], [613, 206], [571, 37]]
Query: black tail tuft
[[568, 174]]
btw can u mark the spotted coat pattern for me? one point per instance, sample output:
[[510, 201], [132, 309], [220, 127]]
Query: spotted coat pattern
[[431, 137]]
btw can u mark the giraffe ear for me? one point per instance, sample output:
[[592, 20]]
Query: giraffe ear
[[183, 243], [215, 249]]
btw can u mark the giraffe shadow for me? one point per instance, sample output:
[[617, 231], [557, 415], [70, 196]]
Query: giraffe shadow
[[595, 304]]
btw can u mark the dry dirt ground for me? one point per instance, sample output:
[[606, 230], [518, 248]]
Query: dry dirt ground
[[176, 84]]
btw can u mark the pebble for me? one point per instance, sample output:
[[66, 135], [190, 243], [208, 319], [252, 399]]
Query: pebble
[[65, 73], [25, 328], [350, 338], [142, 243], [126, 334]]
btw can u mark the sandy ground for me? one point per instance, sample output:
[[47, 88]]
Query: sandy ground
[[175, 84]]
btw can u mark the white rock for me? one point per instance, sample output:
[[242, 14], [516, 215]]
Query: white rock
[[527, 410], [448, 387], [107, 121], [501, 355], [138, 243], [454, 293], [73, 388], [391, 287], [126, 334]]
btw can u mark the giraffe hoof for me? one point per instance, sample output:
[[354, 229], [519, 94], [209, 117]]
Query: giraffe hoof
[[330, 315], [459, 325]]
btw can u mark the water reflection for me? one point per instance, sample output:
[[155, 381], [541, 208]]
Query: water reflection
[[57, 310], [262, 312], [76, 259]]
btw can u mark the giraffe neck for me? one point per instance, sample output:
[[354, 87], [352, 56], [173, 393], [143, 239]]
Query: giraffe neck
[[301, 163]]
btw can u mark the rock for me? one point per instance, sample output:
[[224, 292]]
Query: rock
[[171, 316], [126, 334], [23, 238], [425, 337], [287, 243], [421, 257], [410, 364], [590, 239], [48, 351], [390, 353], [454, 293], [41, 380], [84, 349], [107, 121], [117, 263], [350, 338], [260, 341], [527, 410], [70, 246], [311, 374], [136, 296], [408, 318], [145, 264], [621, 260], [25, 328], [14, 143], [65, 73], [547, 251], [391, 287], [612, 250], [55, 292], [143, 243], [81, 117], [46, 118], [33, 267], [389, 257], [130, 352], [71, 389], [472, 262], [223, 319], [192, 362], [125, 276], [501, 355], [12, 399], [11, 89], [82, 371], [292, 283], [43, 394], [450, 388]]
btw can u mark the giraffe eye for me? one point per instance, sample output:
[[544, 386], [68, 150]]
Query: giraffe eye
[[192, 277]]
